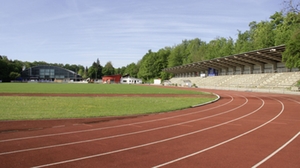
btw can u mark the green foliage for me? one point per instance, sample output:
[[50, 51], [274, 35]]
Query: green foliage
[[132, 69], [9, 69], [263, 35], [291, 55], [153, 63], [108, 69], [243, 42], [219, 47], [176, 57], [298, 83], [14, 75], [95, 71], [120, 70]]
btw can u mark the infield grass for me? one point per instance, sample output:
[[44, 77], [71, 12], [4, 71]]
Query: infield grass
[[24, 108], [87, 88], [28, 108]]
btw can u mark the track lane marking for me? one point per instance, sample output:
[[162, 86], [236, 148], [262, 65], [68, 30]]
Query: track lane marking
[[276, 151], [224, 142], [294, 101], [127, 134], [151, 143], [117, 126]]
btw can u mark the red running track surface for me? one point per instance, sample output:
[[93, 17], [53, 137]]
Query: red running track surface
[[242, 129]]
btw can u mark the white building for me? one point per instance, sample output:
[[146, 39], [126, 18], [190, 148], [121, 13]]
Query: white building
[[130, 80], [157, 81]]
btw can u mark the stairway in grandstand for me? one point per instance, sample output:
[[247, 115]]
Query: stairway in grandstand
[[267, 80]]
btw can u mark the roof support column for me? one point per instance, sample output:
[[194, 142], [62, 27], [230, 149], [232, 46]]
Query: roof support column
[[226, 71], [242, 70], [262, 68], [274, 67], [234, 70], [251, 69]]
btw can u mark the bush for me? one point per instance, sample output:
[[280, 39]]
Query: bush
[[298, 83], [14, 75]]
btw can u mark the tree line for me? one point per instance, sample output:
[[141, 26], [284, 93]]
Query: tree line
[[281, 28]]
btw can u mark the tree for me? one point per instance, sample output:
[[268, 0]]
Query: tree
[[175, 58], [219, 47], [153, 63], [4, 70], [92, 72], [263, 35], [281, 29], [14, 75], [81, 73], [85, 73], [161, 62], [95, 71], [196, 50], [9, 70], [108, 69], [291, 25], [120, 70], [243, 42], [132, 69], [291, 6], [145, 71], [291, 55]]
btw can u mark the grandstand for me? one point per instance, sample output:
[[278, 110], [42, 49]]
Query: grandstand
[[260, 70]]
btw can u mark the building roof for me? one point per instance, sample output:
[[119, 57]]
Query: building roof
[[270, 55], [58, 72]]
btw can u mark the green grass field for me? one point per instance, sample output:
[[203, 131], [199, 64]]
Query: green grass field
[[87, 88], [25, 108]]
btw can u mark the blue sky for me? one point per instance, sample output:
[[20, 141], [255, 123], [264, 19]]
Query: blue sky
[[120, 31]]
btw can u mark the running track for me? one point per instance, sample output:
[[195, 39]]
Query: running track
[[241, 129]]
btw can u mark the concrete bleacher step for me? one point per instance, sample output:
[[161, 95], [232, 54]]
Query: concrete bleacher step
[[267, 80]]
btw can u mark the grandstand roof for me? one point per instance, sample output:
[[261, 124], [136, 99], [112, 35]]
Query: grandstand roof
[[270, 55]]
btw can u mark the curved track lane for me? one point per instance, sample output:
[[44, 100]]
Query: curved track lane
[[242, 129]]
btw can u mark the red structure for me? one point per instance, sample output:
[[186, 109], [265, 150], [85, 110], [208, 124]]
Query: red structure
[[111, 79]]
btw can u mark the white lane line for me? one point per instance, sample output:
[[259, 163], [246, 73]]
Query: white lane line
[[275, 152], [117, 126], [294, 101], [121, 135], [59, 126], [224, 142], [151, 143]]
